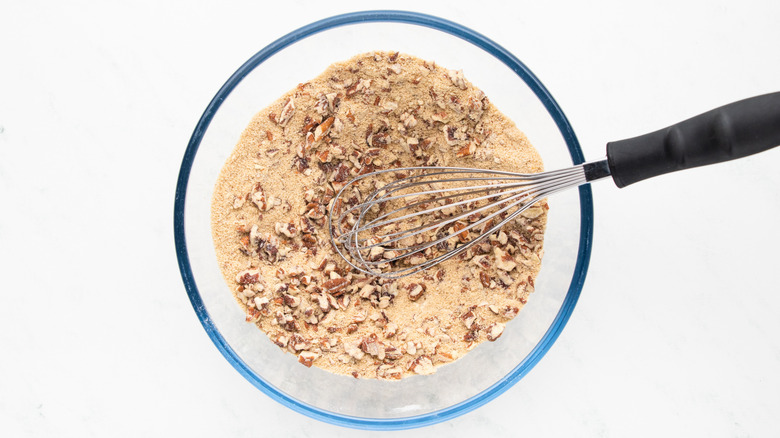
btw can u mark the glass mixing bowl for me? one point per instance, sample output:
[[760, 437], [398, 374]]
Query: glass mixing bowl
[[486, 371]]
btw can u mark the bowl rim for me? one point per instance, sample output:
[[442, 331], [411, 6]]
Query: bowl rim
[[583, 254]]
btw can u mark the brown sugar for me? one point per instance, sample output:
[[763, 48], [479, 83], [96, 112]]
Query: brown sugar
[[269, 219]]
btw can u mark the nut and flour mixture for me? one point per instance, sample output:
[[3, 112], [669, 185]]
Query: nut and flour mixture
[[269, 219]]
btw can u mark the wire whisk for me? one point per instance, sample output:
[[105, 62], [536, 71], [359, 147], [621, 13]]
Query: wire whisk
[[435, 213]]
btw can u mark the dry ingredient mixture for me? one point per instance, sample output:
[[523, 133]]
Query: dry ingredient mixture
[[269, 219]]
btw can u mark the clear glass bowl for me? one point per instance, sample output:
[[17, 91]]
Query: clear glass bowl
[[489, 369]]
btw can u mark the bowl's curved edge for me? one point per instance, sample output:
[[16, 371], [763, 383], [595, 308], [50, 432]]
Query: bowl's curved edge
[[586, 224]]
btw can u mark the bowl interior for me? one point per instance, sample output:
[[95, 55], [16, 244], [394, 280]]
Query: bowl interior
[[458, 387]]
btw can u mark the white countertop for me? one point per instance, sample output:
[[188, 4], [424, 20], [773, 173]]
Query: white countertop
[[676, 332]]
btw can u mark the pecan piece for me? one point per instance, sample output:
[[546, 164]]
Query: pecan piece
[[309, 124], [307, 358], [300, 164], [287, 229], [463, 236], [281, 340], [315, 212], [322, 129], [298, 342], [494, 331], [321, 106], [469, 319], [372, 346], [532, 213], [467, 150], [248, 276], [484, 279], [353, 349], [408, 120], [504, 260], [422, 365], [252, 315], [290, 300], [335, 286], [261, 303], [258, 198], [341, 174], [378, 139], [471, 335], [287, 112], [456, 76], [416, 291]]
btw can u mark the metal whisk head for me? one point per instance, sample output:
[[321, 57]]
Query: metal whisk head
[[396, 222]]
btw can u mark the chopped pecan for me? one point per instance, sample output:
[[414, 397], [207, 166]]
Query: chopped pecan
[[504, 260], [291, 301], [471, 336], [494, 331], [335, 286], [309, 241], [298, 342], [258, 197], [300, 164], [350, 116], [286, 321], [422, 365], [252, 314], [309, 124], [353, 349], [392, 353], [484, 278], [341, 174], [248, 276], [261, 303], [322, 302], [378, 139], [315, 212], [323, 128], [391, 329], [408, 120], [372, 346], [509, 312], [532, 213], [467, 150], [416, 291], [307, 358], [454, 136], [321, 105], [456, 76], [287, 229], [481, 260], [281, 340], [463, 236], [469, 319], [287, 112]]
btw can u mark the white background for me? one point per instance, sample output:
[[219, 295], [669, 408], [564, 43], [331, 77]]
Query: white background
[[676, 332]]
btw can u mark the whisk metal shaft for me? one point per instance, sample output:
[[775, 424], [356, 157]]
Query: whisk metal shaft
[[429, 199]]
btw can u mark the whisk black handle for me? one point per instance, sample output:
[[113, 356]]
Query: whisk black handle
[[732, 131]]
